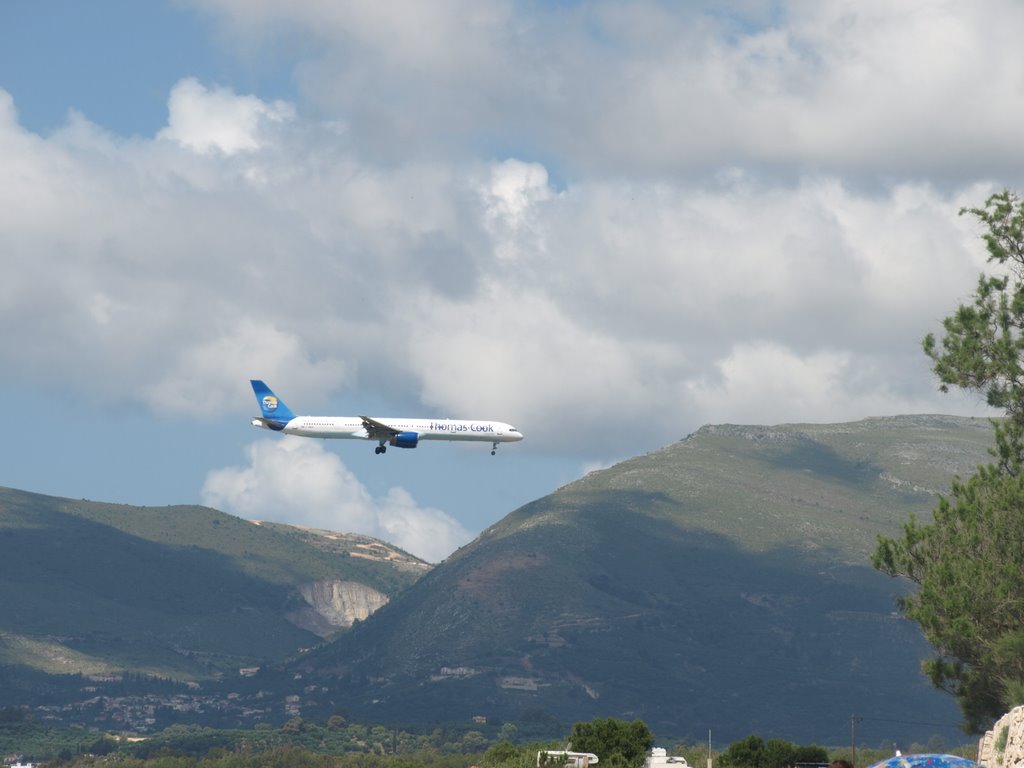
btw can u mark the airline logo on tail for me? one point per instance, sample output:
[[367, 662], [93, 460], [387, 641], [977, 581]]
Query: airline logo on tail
[[275, 413]]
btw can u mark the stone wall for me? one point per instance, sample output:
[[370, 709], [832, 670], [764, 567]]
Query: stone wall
[[1003, 746]]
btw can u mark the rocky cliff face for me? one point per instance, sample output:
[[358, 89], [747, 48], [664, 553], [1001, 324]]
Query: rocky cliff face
[[1003, 746], [333, 604]]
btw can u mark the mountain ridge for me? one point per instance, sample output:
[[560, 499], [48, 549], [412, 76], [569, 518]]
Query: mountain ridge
[[729, 565], [178, 591], [721, 581]]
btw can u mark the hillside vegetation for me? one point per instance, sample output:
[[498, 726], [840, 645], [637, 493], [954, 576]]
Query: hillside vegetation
[[720, 583], [723, 582], [183, 591]]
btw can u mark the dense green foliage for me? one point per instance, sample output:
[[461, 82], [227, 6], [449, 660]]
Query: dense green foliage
[[970, 600], [278, 757], [755, 752], [340, 744], [336, 737], [42, 742], [619, 744], [968, 563]]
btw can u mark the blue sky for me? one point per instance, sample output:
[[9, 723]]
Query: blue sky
[[605, 223], [114, 61]]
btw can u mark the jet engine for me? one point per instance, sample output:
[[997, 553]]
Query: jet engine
[[405, 440]]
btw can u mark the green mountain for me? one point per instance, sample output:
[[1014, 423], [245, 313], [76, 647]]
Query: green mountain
[[721, 583], [184, 592]]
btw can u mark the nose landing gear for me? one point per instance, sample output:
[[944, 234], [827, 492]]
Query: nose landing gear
[[494, 448]]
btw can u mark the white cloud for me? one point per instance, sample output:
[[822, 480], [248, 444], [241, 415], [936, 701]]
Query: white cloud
[[204, 120], [656, 89], [721, 191], [519, 355], [471, 290], [210, 373], [514, 187], [767, 383], [648, 302], [607, 224], [299, 482]]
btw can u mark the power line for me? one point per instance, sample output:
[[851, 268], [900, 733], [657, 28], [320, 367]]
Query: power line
[[907, 722]]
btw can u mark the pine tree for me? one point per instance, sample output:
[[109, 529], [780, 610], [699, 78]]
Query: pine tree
[[968, 563]]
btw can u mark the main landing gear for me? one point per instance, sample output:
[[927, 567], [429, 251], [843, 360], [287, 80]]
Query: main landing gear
[[380, 448]]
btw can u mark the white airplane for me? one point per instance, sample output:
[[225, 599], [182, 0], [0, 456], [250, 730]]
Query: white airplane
[[401, 433]]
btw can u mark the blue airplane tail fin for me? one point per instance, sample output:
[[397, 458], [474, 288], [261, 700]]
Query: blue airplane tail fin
[[272, 409]]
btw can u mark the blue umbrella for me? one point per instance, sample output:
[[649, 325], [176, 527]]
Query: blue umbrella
[[930, 760]]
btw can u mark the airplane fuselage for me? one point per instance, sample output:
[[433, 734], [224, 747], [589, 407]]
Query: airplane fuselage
[[353, 428], [403, 433]]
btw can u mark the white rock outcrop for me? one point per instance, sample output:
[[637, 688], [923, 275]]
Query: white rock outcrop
[[334, 604], [1003, 746]]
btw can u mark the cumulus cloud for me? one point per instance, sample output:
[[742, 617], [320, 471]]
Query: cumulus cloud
[[476, 290], [764, 382], [204, 119], [651, 88], [662, 303], [299, 482], [558, 215], [693, 210], [208, 374]]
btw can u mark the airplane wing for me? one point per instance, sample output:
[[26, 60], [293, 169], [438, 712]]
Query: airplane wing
[[377, 430]]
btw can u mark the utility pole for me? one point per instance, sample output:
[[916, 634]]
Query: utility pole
[[853, 740]]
